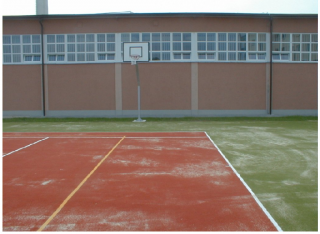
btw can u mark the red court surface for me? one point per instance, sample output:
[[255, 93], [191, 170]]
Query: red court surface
[[175, 181]]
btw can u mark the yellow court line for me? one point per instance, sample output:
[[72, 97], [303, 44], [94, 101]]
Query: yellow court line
[[77, 188]]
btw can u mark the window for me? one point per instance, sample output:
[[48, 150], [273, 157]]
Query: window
[[106, 46], [21, 48]]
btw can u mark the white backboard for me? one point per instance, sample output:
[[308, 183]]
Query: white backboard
[[136, 48]]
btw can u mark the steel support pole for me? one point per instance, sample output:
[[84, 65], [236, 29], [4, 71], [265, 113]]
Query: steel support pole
[[138, 80]]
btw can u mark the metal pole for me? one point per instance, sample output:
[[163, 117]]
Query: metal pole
[[138, 80]]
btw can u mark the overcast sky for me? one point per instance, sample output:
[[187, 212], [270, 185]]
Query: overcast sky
[[27, 7]]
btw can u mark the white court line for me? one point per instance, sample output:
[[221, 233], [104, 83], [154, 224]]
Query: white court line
[[25, 146], [247, 186]]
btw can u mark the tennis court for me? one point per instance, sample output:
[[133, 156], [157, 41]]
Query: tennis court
[[168, 181]]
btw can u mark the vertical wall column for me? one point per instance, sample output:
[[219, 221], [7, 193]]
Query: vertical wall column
[[194, 88], [118, 88], [268, 89]]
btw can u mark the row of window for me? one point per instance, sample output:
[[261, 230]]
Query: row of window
[[201, 46]]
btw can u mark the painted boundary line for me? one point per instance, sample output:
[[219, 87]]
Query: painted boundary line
[[25, 146], [78, 187], [247, 186]]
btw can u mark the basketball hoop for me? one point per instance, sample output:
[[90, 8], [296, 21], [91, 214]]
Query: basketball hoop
[[134, 58]]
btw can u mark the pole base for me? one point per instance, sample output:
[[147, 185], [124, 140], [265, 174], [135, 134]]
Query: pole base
[[139, 120]]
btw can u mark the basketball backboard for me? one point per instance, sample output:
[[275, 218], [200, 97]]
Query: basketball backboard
[[140, 49]]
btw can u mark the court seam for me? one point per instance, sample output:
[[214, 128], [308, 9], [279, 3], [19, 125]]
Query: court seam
[[43, 226], [25, 146], [248, 188]]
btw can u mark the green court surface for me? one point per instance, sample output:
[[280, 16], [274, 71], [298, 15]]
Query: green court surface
[[277, 157]]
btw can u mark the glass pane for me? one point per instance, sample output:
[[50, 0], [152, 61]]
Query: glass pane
[[52, 58], [111, 47], [211, 56], [71, 38], [276, 56], [242, 56], [242, 46], [176, 46], [305, 37], [222, 56], [155, 56], [110, 56], [186, 36], [60, 48], [314, 38], [16, 58], [165, 56], [7, 58], [101, 57], [314, 47], [232, 46], [305, 47], [201, 46], [81, 48], [26, 39], [60, 58], [90, 38], [60, 38], [211, 36], [252, 56], [262, 37], [51, 39], [284, 56], [71, 48], [51, 48], [276, 37], [222, 46], [262, 56], [28, 58], [165, 36], [186, 45], [305, 57], [155, 36], [156, 46], [232, 36], [125, 37], [101, 37], [90, 48], [6, 49], [296, 37], [285, 47], [90, 57], [26, 49], [252, 37], [111, 37], [145, 36], [201, 36], [7, 40], [166, 46], [16, 49], [177, 56], [296, 47], [262, 46], [135, 37], [80, 38], [201, 56], [36, 58], [101, 47], [222, 36], [176, 36], [232, 56], [186, 56], [296, 57], [242, 37], [211, 46], [35, 48], [71, 57], [314, 57], [285, 37], [252, 46], [275, 46], [80, 57]]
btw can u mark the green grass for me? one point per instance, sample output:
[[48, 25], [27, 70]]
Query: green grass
[[277, 157]]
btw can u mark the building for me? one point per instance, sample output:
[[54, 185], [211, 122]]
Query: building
[[201, 64]]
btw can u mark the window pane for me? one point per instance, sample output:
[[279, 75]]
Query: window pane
[[6, 49], [252, 56], [262, 46], [284, 56], [155, 56], [60, 58], [16, 58], [296, 57], [186, 36], [101, 37], [201, 56], [305, 57], [232, 46], [51, 39], [26, 49], [211, 46], [71, 38], [242, 56], [155, 36], [176, 36], [90, 57], [296, 37], [177, 56], [211, 56], [71, 48], [186, 45], [165, 56], [232, 36], [305, 47], [222, 46], [111, 37], [111, 47], [81, 48], [101, 57], [80, 38], [201, 36], [262, 37], [135, 37], [101, 47], [35, 48], [285, 47], [252, 46], [176, 46], [125, 37], [110, 56], [6, 40], [275, 46], [51, 48], [232, 56], [242, 46], [28, 58], [90, 38], [35, 38], [26, 39], [305, 37], [186, 56], [285, 37], [156, 46], [52, 58], [252, 37], [201, 46], [296, 47], [222, 56], [71, 57], [36, 58], [276, 37], [314, 47], [60, 48], [7, 58], [222, 36], [242, 37], [145, 36], [314, 57], [16, 49], [211, 36], [60, 38], [90, 48], [166, 46], [314, 38], [165, 36], [262, 56], [80, 57]]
